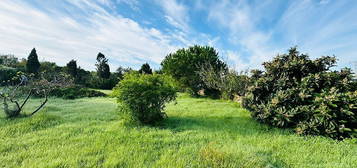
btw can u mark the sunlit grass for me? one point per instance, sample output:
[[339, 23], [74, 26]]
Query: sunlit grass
[[107, 92], [198, 133]]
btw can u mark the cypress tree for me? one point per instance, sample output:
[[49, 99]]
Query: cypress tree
[[33, 65]]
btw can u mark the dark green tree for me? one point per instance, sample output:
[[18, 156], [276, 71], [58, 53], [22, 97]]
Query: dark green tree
[[33, 65], [72, 69], [185, 64], [103, 69], [145, 69]]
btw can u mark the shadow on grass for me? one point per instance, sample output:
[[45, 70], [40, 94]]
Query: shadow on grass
[[232, 125]]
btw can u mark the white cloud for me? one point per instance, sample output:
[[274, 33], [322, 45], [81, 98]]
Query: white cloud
[[240, 20], [60, 38], [259, 32], [176, 14]]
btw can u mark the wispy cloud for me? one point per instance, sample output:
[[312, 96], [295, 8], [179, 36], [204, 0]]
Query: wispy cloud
[[131, 32], [60, 38], [176, 14], [260, 30]]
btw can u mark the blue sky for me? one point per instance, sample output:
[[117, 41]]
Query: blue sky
[[132, 32]]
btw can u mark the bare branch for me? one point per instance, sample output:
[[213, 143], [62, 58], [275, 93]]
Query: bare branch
[[28, 96], [43, 104]]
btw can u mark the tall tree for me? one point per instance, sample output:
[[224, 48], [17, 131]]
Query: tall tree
[[145, 69], [33, 65], [184, 65], [102, 65], [72, 69]]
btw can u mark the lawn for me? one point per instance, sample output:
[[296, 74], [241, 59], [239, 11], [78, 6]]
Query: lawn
[[198, 133]]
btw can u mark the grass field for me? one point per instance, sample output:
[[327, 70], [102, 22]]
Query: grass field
[[198, 133]]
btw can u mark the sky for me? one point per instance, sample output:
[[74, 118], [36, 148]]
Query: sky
[[132, 32]]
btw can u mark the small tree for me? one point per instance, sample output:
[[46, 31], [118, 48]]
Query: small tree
[[33, 65], [229, 82], [12, 95], [145, 69], [103, 69]]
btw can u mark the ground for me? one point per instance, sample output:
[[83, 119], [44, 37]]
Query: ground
[[198, 132]]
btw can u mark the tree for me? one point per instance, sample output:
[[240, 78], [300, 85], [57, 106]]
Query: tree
[[103, 70], [184, 64], [145, 69], [33, 65], [12, 95], [229, 82], [49, 70], [83, 77], [72, 69]]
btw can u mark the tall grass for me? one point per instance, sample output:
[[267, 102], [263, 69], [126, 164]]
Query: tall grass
[[198, 133]]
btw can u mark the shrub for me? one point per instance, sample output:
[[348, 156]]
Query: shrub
[[227, 81], [142, 98], [300, 93], [6, 74], [184, 64], [75, 92], [101, 83]]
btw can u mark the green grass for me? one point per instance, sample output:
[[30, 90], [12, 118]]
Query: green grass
[[198, 133], [107, 92]]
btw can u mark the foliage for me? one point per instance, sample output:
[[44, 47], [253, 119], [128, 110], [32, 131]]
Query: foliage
[[103, 70], [83, 77], [304, 94], [143, 97], [74, 92], [229, 82], [11, 95], [8, 60], [71, 68], [49, 69], [101, 83], [145, 69], [6, 74], [184, 64], [33, 65]]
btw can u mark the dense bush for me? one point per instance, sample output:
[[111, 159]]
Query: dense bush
[[74, 92], [142, 98], [184, 64], [6, 74], [102, 83], [229, 82], [305, 94]]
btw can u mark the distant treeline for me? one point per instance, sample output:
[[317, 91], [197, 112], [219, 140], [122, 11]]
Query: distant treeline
[[102, 78]]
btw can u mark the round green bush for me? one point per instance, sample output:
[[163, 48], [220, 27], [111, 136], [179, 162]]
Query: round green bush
[[142, 97], [296, 92]]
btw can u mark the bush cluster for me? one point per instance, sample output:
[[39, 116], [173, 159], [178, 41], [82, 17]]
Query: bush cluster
[[142, 97], [6, 74], [228, 82], [75, 92], [297, 92]]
